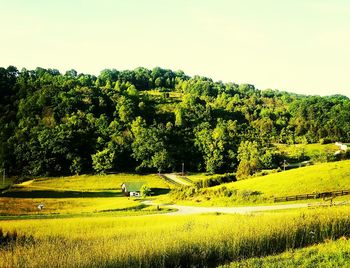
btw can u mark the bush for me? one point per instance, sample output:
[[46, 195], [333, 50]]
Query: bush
[[214, 181], [145, 191]]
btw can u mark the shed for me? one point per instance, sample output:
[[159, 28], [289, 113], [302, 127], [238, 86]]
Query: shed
[[132, 188]]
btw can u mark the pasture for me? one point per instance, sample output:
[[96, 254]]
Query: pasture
[[76, 194], [262, 189]]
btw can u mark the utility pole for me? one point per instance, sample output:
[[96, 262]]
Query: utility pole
[[284, 164], [183, 169]]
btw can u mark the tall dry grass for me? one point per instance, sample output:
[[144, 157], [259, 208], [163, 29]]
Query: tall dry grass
[[164, 241]]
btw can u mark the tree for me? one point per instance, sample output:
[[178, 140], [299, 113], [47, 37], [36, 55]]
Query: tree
[[149, 145], [145, 190], [217, 145], [248, 156], [103, 160], [161, 160]]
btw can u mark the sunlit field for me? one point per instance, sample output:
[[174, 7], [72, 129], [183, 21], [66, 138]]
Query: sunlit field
[[163, 241], [111, 182], [260, 190], [328, 254], [76, 194]]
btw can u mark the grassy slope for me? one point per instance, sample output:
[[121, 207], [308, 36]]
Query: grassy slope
[[76, 194], [311, 179], [328, 254]]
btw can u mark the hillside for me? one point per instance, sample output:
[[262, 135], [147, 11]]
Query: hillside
[[153, 120], [305, 180]]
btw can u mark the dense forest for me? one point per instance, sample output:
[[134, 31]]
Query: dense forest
[[148, 120]]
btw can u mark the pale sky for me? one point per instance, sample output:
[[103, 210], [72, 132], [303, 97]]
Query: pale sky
[[301, 46]]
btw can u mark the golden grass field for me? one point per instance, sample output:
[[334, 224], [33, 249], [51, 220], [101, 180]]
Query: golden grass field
[[164, 241], [329, 254]]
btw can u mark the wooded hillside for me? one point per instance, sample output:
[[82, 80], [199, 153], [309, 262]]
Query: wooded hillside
[[148, 120]]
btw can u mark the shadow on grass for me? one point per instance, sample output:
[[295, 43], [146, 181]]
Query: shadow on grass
[[71, 194], [59, 194], [159, 191]]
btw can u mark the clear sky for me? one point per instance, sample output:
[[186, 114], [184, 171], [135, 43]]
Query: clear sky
[[301, 46]]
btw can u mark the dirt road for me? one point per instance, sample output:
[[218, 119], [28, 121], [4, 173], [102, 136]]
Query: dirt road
[[189, 210], [174, 178]]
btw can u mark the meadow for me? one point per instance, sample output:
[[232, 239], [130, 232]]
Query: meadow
[[77, 195], [262, 189], [164, 241], [88, 222]]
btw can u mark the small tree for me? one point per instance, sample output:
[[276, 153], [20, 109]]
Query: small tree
[[145, 191], [103, 160], [248, 155], [161, 160]]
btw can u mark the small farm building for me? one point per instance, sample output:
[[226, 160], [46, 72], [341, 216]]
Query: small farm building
[[132, 188]]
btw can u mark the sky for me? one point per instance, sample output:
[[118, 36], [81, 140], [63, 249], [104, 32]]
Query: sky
[[300, 46]]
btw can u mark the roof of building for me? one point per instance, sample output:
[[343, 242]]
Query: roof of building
[[133, 186]]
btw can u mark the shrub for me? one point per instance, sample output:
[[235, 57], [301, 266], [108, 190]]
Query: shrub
[[214, 181]]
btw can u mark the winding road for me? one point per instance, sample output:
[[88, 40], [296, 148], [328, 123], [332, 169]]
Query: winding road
[[190, 210]]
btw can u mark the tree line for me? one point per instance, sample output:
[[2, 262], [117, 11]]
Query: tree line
[[147, 120]]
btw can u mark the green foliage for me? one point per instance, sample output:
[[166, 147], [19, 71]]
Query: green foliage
[[215, 180], [103, 160], [52, 123], [248, 155], [145, 190]]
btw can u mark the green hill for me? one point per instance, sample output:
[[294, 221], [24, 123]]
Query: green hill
[[311, 179]]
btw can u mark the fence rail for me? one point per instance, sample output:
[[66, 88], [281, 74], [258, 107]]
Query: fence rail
[[312, 196]]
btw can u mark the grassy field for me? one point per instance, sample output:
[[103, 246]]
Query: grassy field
[[259, 190], [328, 254], [110, 182], [87, 222], [76, 194], [163, 241]]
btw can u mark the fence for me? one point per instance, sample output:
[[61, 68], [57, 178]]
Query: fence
[[312, 196]]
